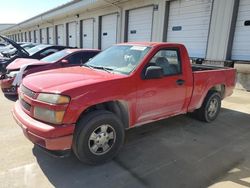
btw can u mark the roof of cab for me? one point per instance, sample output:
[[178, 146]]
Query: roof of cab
[[81, 49], [150, 43]]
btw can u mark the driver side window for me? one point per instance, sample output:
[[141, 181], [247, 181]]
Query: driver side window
[[75, 59], [168, 60]]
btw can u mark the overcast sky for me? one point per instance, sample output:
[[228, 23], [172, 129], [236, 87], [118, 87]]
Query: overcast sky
[[15, 11]]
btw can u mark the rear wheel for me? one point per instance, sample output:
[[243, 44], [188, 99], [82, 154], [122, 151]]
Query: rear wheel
[[98, 137], [210, 108]]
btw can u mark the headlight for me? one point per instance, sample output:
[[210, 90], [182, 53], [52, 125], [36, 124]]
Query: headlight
[[50, 116], [53, 98], [12, 74]]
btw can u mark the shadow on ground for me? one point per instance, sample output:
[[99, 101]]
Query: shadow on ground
[[176, 152], [11, 97]]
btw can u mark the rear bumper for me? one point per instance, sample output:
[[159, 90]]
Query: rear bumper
[[229, 91], [47, 136]]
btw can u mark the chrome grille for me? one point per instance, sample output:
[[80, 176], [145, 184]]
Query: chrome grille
[[25, 104], [27, 91]]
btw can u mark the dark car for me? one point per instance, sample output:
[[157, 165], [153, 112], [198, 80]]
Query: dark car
[[37, 52], [22, 67]]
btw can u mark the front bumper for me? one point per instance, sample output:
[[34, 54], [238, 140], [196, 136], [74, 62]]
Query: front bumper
[[3, 66], [7, 87], [47, 136]]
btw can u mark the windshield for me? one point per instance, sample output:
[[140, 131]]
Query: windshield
[[122, 59], [56, 56], [35, 49], [29, 45]]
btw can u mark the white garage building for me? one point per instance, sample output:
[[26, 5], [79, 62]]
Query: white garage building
[[215, 30]]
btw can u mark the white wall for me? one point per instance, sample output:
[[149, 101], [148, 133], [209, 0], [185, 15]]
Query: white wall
[[219, 32]]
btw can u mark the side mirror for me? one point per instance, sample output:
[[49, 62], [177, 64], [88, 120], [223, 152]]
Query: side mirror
[[154, 72], [65, 61]]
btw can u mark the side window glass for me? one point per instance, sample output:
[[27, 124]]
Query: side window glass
[[168, 60], [75, 59], [87, 55]]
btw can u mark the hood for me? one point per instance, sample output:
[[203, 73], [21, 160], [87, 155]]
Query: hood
[[14, 44], [16, 64], [64, 79]]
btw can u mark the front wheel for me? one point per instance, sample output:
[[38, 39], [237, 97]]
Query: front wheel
[[210, 108], [98, 137]]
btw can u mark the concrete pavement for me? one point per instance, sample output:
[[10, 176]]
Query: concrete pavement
[[176, 152]]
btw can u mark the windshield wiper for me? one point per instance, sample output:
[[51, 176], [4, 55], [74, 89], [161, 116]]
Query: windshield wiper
[[89, 66], [104, 68], [99, 67]]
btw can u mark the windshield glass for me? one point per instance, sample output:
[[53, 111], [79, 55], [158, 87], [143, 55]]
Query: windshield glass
[[35, 49], [56, 56], [27, 45], [122, 59]]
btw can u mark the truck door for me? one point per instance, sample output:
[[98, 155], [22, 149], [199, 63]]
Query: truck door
[[164, 96]]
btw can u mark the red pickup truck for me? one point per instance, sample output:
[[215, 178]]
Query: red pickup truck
[[87, 109]]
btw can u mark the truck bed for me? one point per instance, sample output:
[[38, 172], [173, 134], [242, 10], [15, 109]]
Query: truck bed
[[206, 77], [196, 67]]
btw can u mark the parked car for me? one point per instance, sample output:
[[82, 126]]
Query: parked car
[[22, 67], [4, 48], [8, 47], [89, 109], [10, 52], [37, 52]]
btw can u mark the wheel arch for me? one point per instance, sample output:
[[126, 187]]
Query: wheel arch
[[220, 88], [118, 107], [196, 104]]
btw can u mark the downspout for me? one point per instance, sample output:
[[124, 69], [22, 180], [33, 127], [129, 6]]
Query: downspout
[[120, 13]]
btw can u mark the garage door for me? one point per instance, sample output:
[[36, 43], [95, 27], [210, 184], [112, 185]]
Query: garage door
[[36, 36], [28, 36], [241, 43], [108, 30], [21, 37], [25, 37], [189, 24], [44, 36], [71, 38], [140, 24], [32, 36], [87, 33], [50, 35], [60, 34]]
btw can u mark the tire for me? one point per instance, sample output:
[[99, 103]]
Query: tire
[[90, 134], [210, 108]]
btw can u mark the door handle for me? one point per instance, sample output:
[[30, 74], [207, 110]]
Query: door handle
[[180, 82]]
